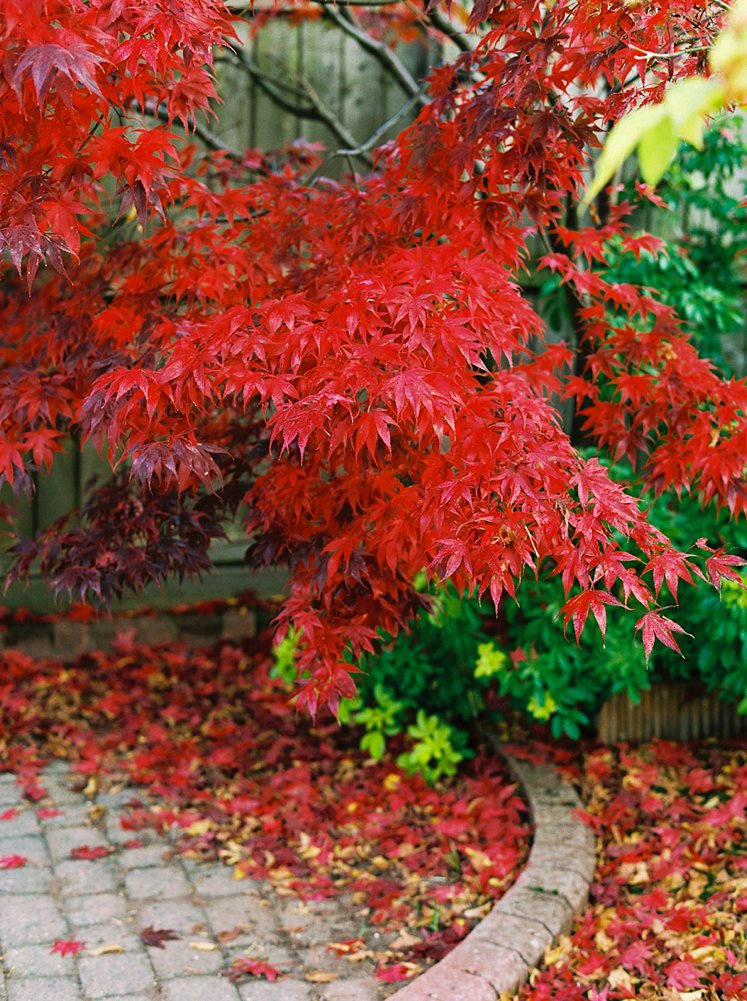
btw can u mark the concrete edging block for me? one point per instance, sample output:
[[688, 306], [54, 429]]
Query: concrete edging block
[[499, 952]]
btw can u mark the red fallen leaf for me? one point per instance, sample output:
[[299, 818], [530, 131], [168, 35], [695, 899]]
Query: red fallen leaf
[[87, 852], [34, 792], [10, 814], [155, 937], [69, 948], [253, 968], [683, 974], [400, 971], [13, 862], [133, 844], [48, 811], [346, 946]]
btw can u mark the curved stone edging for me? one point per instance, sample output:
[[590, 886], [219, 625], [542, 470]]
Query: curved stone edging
[[498, 954]]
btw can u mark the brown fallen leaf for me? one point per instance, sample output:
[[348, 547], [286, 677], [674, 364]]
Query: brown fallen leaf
[[405, 941], [320, 977], [155, 937], [105, 950]]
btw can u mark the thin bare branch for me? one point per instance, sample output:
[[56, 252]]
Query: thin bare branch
[[381, 52], [315, 110], [461, 39], [373, 139]]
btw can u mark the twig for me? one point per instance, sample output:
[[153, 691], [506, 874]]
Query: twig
[[381, 52]]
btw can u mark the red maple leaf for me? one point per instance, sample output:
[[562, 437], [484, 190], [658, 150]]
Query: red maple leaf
[[253, 968], [399, 971], [10, 814], [67, 948], [90, 853], [13, 862]]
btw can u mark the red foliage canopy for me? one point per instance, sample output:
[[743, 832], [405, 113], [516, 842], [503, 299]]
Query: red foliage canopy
[[353, 366]]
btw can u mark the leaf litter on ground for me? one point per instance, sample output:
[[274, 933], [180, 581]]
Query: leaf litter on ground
[[209, 745]]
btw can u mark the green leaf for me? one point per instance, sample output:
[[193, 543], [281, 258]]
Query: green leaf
[[621, 142], [656, 150]]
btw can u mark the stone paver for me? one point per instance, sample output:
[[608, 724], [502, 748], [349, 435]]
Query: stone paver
[[143, 883], [44, 989]]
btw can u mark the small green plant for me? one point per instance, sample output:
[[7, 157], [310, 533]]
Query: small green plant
[[436, 751], [284, 657]]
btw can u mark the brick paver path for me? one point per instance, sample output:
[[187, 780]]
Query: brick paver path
[[107, 902]]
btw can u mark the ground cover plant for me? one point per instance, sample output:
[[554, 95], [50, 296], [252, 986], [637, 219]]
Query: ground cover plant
[[351, 368], [207, 741]]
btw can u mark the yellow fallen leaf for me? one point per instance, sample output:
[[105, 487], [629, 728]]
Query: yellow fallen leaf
[[619, 978], [602, 941], [199, 827], [392, 781], [203, 946], [320, 977]]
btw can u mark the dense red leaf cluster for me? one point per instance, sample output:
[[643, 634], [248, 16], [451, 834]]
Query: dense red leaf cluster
[[351, 367], [208, 744], [670, 893]]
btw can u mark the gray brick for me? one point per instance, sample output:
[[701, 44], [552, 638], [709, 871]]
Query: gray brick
[[31, 846], [37, 961], [200, 989], [156, 883], [117, 835], [30, 879], [115, 973], [98, 876], [73, 815], [43, 989], [30, 921], [148, 855], [61, 842], [24, 823], [217, 883], [119, 933], [94, 908], [352, 990], [280, 990], [180, 959], [180, 915], [243, 911]]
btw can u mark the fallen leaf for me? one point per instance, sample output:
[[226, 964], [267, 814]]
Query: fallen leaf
[[406, 941], [67, 948], [203, 946], [253, 968], [90, 853], [400, 971], [12, 862], [155, 937], [10, 814], [320, 977], [105, 950]]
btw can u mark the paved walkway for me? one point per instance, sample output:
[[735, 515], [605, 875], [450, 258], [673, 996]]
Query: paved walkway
[[107, 902]]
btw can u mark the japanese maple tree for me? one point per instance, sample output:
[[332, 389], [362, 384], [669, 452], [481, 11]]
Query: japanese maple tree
[[351, 367]]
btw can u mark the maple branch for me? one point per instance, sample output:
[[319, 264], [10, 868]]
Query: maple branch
[[316, 110], [379, 133], [381, 52], [440, 21]]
